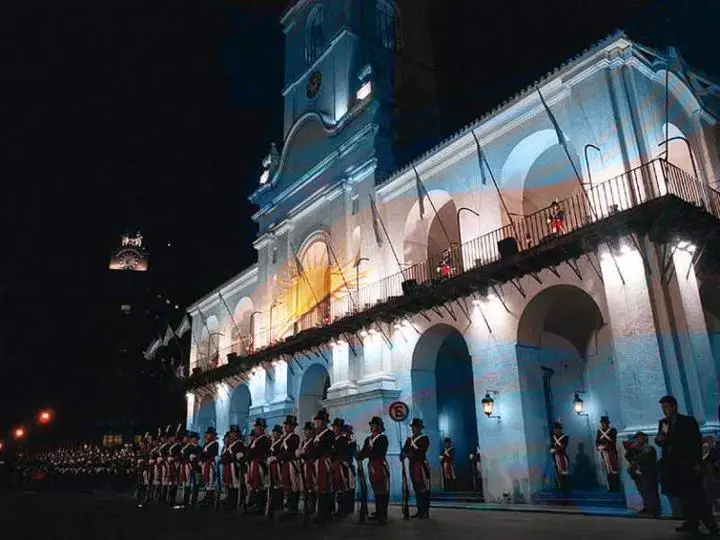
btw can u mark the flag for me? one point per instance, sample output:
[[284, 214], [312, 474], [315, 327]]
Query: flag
[[149, 354], [375, 220], [420, 193], [558, 131], [481, 160], [184, 327], [169, 335]]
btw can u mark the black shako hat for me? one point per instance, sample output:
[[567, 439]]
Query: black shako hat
[[605, 419], [193, 435], [416, 422], [260, 422], [308, 426], [210, 431], [323, 415], [290, 420], [234, 429], [277, 428], [338, 422], [557, 425], [377, 421]]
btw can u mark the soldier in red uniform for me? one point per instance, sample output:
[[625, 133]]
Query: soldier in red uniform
[[155, 463], [321, 455], [447, 464], [308, 467], [173, 459], [291, 467], [556, 219], [189, 469], [352, 452], [234, 454], [275, 471], [558, 449], [375, 450], [142, 459], [415, 451], [209, 467], [606, 442], [257, 454], [340, 468]]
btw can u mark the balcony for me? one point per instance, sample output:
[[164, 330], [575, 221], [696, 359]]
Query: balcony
[[656, 197]]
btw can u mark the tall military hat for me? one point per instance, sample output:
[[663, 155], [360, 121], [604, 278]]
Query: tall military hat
[[290, 420], [277, 428], [447, 440], [339, 422], [377, 421], [180, 432], [417, 422], [347, 428], [210, 431], [308, 426], [193, 435], [234, 429], [557, 425], [322, 414], [605, 419], [260, 422]]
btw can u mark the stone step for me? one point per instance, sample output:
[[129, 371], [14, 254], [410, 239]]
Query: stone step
[[580, 498]]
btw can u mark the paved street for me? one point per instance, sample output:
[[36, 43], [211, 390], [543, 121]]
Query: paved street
[[32, 516]]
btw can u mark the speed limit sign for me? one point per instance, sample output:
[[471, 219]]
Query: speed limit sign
[[399, 411]]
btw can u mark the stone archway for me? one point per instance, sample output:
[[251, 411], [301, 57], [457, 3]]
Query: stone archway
[[428, 236], [313, 390], [564, 347], [240, 403], [443, 395], [206, 416]]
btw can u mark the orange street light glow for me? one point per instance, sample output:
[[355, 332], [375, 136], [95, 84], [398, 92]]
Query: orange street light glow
[[19, 433], [45, 417]]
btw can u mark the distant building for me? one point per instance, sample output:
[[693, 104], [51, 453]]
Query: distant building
[[453, 291]]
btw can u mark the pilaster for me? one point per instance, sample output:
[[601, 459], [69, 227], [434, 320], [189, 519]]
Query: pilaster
[[342, 376]]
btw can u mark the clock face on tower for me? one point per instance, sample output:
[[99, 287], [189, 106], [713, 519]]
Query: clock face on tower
[[314, 84], [129, 259]]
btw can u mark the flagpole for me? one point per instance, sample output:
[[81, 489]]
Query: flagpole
[[562, 142], [302, 272], [482, 157], [442, 226], [237, 330], [382, 224], [328, 244]]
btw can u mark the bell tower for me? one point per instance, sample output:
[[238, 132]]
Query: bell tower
[[340, 53]]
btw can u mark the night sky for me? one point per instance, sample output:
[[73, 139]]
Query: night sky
[[155, 116]]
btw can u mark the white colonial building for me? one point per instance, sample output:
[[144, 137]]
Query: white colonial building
[[347, 308]]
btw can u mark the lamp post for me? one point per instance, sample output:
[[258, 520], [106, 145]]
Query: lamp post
[[687, 143], [357, 280]]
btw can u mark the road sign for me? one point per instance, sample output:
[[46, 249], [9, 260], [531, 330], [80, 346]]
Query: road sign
[[399, 411]]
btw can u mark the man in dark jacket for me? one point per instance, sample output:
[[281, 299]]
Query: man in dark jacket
[[642, 460], [680, 439]]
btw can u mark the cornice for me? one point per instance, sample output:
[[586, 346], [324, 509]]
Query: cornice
[[242, 280]]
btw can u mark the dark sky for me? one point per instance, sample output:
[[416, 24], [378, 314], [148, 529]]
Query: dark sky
[[155, 116]]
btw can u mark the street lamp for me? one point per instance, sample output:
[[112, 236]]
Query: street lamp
[[488, 405], [579, 405], [19, 433], [45, 417]]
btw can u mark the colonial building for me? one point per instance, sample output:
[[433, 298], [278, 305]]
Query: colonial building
[[456, 278]]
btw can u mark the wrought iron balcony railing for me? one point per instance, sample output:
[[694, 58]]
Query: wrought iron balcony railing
[[600, 203]]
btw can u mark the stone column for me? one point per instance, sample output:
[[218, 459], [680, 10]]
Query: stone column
[[190, 410], [376, 370], [256, 385], [343, 379], [281, 402], [222, 410]]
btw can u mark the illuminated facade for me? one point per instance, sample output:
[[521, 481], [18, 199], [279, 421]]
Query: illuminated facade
[[351, 309]]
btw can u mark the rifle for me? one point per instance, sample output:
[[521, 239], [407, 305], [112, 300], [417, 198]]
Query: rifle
[[363, 492], [269, 509], [306, 493], [405, 493], [218, 486]]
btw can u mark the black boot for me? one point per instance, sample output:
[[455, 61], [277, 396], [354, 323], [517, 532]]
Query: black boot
[[194, 497], [382, 508], [231, 503], [349, 502], [312, 500], [210, 499], [172, 496], [141, 495], [293, 499]]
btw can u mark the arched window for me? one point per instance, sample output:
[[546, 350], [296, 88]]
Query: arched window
[[388, 25], [314, 38]]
